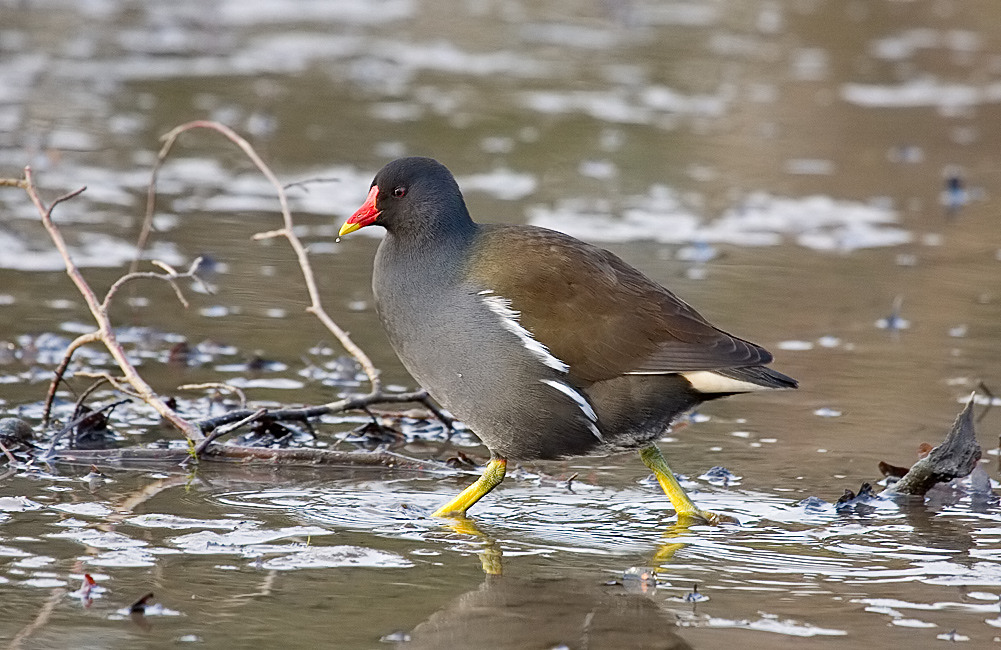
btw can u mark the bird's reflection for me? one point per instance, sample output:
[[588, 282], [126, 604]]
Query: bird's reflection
[[548, 612], [491, 555]]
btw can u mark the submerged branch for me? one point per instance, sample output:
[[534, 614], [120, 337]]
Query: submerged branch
[[355, 402], [221, 431], [284, 457]]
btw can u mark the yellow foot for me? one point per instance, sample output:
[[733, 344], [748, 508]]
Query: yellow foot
[[688, 513], [491, 478], [703, 517]]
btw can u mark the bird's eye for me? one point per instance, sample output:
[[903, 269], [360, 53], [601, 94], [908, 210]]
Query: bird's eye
[[399, 192]]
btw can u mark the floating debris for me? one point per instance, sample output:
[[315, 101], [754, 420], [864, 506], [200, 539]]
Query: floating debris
[[139, 606], [954, 196], [694, 596], [720, 476], [797, 346], [956, 457], [86, 591], [815, 505], [894, 322]]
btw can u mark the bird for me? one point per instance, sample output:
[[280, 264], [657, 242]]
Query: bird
[[547, 347]]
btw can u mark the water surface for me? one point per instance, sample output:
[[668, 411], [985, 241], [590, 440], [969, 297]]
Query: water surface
[[783, 166]]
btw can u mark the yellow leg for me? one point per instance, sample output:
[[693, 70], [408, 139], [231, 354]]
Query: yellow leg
[[491, 478], [688, 512]]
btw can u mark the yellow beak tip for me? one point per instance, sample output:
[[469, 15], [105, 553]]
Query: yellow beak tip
[[348, 228]]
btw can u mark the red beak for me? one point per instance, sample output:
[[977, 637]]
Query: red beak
[[364, 216]]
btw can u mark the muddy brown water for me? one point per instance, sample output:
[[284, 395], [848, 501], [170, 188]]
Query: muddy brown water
[[798, 151]]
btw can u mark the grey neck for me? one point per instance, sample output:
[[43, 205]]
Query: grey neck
[[436, 255]]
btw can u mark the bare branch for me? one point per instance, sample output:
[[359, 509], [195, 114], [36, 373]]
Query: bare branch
[[286, 457], [316, 306], [100, 315], [221, 431]]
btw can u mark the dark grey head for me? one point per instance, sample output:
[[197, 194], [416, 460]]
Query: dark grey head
[[412, 197]]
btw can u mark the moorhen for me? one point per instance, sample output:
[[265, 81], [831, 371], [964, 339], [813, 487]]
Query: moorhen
[[546, 346]]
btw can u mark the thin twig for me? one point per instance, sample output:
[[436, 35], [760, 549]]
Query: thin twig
[[308, 181], [84, 339], [116, 382], [87, 392], [221, 431], [990, 399], [220, 386], [171, 276], [10, 456]]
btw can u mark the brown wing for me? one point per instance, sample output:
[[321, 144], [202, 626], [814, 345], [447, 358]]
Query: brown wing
[[595, 312]]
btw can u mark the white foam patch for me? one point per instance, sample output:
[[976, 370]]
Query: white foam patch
[[18, 504], [501, 183], [87, 509], [99, 539], [924, 92], [243, 540], [321, 557], [90, 250], [442, 56], [771, 623], [238, 12], [904, 45], [816, 222], [624, 107], [174, 522]]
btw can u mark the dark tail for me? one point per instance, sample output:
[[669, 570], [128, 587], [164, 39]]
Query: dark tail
[[759, 375]]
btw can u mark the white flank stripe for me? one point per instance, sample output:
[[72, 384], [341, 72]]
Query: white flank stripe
[[706, 381], [509, 319], [585, 406]]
